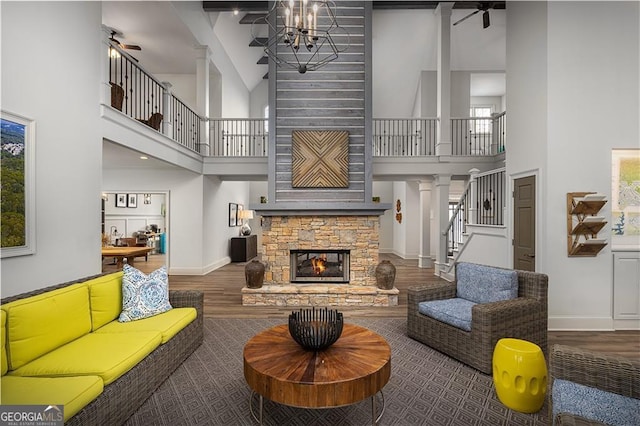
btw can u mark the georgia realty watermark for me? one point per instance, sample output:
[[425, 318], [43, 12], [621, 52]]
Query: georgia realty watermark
[[31, 415]]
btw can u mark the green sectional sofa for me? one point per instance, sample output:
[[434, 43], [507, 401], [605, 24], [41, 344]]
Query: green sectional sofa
[[64, 345]]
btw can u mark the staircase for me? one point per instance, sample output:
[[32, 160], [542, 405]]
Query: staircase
[[476, 220]]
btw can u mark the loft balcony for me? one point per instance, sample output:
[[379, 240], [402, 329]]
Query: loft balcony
[[168, 128]]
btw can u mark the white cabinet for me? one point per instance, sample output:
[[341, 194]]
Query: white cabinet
[[626, 285]]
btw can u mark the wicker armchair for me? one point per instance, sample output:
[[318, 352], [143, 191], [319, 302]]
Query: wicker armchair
[[605, 372], [522, 318]]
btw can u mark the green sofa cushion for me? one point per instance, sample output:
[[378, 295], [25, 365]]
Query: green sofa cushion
[[108, 355], [167, 323], [72, 392], [38, 324], [3, 340], [106, 299]]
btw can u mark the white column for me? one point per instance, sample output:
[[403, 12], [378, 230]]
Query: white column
[[443, 142], [167, 110], [202, 95], [105, 93], [424, 258], [472, 200], [441, 209]]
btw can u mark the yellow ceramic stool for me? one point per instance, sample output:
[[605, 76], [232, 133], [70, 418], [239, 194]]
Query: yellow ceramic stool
[[520, 375]]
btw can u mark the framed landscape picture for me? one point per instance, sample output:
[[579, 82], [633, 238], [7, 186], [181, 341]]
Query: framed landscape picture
[[17, 208]]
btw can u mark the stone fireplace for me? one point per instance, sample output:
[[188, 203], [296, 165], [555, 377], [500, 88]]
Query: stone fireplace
[[320, 176], [357, 235]]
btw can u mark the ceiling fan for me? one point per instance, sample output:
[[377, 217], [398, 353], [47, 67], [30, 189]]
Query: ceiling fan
[[482, 7], [122, 46]]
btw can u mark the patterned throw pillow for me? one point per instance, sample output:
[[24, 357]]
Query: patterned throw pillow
[[143, 295]]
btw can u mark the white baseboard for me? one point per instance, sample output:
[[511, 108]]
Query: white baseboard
[[200, 271], [626, 324], [580, 324]]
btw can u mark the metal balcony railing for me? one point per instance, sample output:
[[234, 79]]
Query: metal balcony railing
[[404, 136], [238, 137], [142, 97], [478, 135]]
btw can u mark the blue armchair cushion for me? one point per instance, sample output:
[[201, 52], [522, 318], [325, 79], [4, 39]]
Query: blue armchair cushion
[[485, 284], [594, 404], [455, 312]]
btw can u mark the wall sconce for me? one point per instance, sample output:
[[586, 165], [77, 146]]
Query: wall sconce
[[147, 198]]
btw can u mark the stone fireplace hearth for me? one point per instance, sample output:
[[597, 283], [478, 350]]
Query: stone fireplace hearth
[[357, 234]]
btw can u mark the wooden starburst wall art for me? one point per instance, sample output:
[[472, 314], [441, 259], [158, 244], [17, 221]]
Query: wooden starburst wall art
[[320, 159]]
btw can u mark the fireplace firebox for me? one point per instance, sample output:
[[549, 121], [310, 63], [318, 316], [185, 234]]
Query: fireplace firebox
[[313, 266]]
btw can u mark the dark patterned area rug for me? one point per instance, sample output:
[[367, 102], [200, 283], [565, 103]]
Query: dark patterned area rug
[[426, 387]]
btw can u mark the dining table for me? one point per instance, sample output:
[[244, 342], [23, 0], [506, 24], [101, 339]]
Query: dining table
[[122, 253]]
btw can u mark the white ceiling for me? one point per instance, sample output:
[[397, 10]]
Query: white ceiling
[[168, 47], [116, 156]]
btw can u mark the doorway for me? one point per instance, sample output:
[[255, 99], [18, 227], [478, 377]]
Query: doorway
[[524, 224], [136, 218]]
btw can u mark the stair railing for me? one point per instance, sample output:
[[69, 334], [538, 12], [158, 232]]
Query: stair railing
[[458, 223]]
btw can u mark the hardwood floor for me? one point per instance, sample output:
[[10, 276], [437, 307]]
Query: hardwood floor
[[222, 299]]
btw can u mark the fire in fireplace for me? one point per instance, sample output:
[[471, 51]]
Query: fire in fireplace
[[319, 266]]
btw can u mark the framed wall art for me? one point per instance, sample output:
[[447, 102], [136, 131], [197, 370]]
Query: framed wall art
[[233, 214], [132, 200], [121, 200], [17, 208]]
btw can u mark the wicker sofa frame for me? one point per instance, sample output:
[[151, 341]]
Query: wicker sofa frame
[[610, 373], [522, 318], [121, 398]]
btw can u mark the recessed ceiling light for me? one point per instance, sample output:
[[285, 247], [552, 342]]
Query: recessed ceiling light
[[236, 11], [142, 157]]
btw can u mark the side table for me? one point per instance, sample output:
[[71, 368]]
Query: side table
[[244, 249]]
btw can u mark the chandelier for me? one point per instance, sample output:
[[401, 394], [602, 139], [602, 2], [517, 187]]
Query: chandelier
[[302, 34]]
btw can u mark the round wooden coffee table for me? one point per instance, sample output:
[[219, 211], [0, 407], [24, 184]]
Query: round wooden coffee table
[[356, 367]]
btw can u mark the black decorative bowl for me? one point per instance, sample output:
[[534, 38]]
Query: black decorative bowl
[[315, 329]]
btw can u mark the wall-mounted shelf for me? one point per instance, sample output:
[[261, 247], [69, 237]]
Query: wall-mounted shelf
[[583, 225]]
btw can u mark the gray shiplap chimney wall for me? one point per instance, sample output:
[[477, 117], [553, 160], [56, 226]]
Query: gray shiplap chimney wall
[[334, 97]]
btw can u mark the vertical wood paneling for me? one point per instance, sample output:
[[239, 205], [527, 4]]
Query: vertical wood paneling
[[330, 98]]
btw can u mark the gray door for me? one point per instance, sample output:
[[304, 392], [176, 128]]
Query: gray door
[[524, 224]]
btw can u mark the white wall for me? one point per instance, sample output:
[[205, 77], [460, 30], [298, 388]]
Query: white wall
[[183, 86], [495, 102], [555, 52], [406, 238], [217, 233], [398, 62], [384, 190], [197, 210], [594, 45], [259, 99], [128, 220], [460, 93], [59, 88], [235, 95]]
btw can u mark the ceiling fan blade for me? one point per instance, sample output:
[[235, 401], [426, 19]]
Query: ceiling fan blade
[[131, 46], [466, 17]]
